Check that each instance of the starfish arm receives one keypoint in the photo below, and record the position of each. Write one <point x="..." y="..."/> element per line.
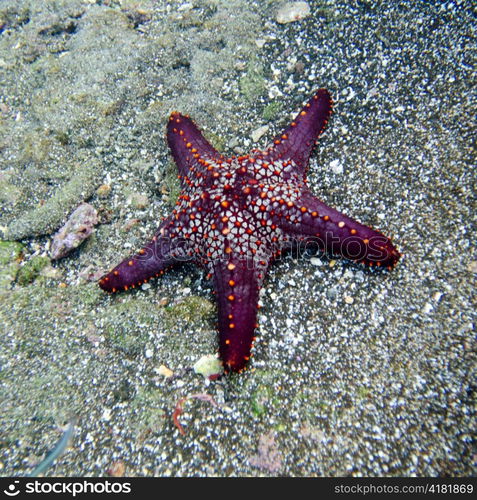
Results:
<point x="149" y="262"/>
<point x="338" y="234"/>
<point x="189" y="147"/>
<point x="298" y="139"/>
<point x="237" y="284"/>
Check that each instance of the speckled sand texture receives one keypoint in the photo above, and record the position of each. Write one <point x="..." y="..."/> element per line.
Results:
<point x="354" y="372"/>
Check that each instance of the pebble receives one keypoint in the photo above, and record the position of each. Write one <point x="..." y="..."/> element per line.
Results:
<point x="336" y="167"/>
<point x="106" y="414"/>
<point x="103" y="191"/>
<point x="348" y="299"/>
<point x="427" y="308"/>
<point x="117" y="469"/>
<point x="78" y="227"/>
<point x="164" y="371"/>
<point x="209" y="366"/>
<point x="292" y="11"/>
<point x="259" y="132"/>
<point x="472" y="266"/>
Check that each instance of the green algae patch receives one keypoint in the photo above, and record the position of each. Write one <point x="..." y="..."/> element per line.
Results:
<point x="127" y="324"/>
<point x="263" y="395"/>
<point x="88" y="294"/>
<point x="9" y="193"/>
<point x="10" y="252"/>
<point x="45" y="340"/>
<point x="252" y="83"/>
<point x="48" y="217"/>
<point x="36" y="309"/>
<point x="218" y="141"/>
<point x="169" y="184"/>
<point x="271" y="111"/>
<point x="147" y="407"/>
<point x="193" y="308"/>
<point x="31" y="270"/>
<point x="261" y="399"/>
<point x="37" y="147"/>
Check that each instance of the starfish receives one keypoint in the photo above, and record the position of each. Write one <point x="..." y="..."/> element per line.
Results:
<point x="235" y="215"/>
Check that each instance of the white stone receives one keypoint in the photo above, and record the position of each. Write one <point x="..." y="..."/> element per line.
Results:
<point x="292" y="11"/>
<point x="259" y="132"/>
<point x="427" y="308"/>
<point x="209" y="366"/>
<point x="106" y="414"/>
<point x="336" y="167"/>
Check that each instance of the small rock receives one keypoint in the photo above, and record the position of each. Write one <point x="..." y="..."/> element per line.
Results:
<point x="336" y="167"/>
<point x="292" y="11"/>
<point x="117" y="469"/>
<point x="78" y="227"/>
<point x="299" y="67"/>
<point x="259" y="132"/>
<point x="348" y="299"/>
<point x="332" y="293"/>
<point x="165" y="372"/>
<point x="427" y="308"/>
<point x="472" y="266"/>
<point x="209" y="366"/>
<point x="103" y="191"/>
<point x="106" y="415"/>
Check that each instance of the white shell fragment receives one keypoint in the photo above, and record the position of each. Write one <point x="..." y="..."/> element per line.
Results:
<point x="209" y="366"/>
<point x="78" y="227"/>
<point x="292" y="11"/>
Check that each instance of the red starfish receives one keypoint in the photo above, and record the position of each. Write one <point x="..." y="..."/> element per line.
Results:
<point x="235" y="215"/>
